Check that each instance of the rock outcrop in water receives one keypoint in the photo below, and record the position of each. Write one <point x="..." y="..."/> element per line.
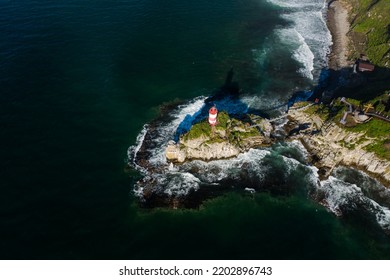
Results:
<point x="230" y="138"/>
<point x="329" y="145"/>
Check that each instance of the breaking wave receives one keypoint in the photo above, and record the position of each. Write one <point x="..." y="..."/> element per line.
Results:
<point x="133" y="150"/>
<point x="302" y="52"/>
<point x="307" y="34"/>
<point x="341" y="197"/>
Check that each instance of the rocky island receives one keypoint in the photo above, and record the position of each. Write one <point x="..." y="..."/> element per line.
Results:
<point x="230" y="137"/>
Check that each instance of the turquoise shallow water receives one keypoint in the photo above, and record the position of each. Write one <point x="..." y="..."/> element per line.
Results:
<point x="79" y="79"/>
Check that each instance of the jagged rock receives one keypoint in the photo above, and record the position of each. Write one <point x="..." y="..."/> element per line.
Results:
<point x="329" y="147"/>
<point x="175" y="154"/>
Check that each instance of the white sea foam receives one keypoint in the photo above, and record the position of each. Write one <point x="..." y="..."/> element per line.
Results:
<point x="296" y="144"/>
<point x="180" y="183"/>
<point x="341" y="196"/>
<point x="301" y="51"/>
<point x="304" y="55"/>
<point x="264" y="102"/>
<point x="167" y="130"/>
<point x="294" y="4"/>
<point x="133" y="150"/>
<point x="383" y="216"/>
<point x="250" y="190"/>
<point x="217" y="170"/>
<point x="307" y="35"/>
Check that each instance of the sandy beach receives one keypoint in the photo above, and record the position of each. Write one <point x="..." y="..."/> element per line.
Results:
<point x="339" y="26"/>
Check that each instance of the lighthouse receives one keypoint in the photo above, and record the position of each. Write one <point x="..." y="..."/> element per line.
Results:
<point x="213" y="112"/>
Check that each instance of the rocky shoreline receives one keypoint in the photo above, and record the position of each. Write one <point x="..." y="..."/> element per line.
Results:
<point x="328" y="144"/>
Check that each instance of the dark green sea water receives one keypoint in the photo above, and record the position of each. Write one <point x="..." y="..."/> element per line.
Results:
<point x="78" y="81"/>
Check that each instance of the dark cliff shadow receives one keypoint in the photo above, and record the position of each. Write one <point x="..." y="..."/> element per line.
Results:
<point x="346" y="82"/>
<point x="362" y="86"/>
<point x="225" y="98"/>
<point x="229" y="89"/>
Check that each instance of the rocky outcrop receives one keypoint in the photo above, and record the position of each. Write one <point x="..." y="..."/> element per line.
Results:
<point x="226" y="141"/>
<point x="331" y="145"/>
<point x="205" y="151"/>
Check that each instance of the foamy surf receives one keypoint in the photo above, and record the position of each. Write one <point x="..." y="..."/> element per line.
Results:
<point x="301" y="50"/>
<point x="308" y="35"/>
<point x="341" y="197"/>
<point x="133" y="150"/>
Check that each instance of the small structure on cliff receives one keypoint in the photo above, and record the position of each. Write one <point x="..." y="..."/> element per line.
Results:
<point x="213" y="113"/>
<point x="353" y="115"/>
<point x="363" y="65"/>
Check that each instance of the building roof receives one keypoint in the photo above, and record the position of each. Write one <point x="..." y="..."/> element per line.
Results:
<point x="366" y="66"/>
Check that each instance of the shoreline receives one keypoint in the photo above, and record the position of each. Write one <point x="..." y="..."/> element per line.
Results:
<point x="339" y="26"/>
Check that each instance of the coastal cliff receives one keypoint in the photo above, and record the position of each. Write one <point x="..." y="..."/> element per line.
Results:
<point x="181" y="156"/>
<point x="331" y="145"/>
<point x="357" y="27"/>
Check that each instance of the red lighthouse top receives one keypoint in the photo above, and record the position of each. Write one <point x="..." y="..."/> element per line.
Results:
<point x="213" y="110"/>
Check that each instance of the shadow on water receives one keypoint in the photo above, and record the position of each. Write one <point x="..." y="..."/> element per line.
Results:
<point x="362" y="86"/>
<point x="225" y="98"/>
<point x="346" y="82"/>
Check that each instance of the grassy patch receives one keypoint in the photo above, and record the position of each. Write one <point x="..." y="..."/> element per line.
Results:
<point x="380" y="148"/>
<point x="222" y="120"/>
<point x="372" y="18"/>
<point x="374" y="128"/>
<point x="224" y="123"/>
<point x="197" y="130"/>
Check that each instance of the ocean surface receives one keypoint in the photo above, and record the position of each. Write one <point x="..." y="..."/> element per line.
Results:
<point x="79" y="81"/>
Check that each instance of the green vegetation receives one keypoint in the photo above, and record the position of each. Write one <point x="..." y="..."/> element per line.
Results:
<point x="233" y="130"/>
<point x="197" y="130"/>
<point x="376" y="129"/>
<point x="371" y="19"/>
<point x="373" y="129"/>
<point x="381" y="148"/>
<point x="222" y="121"/>
<point x="203" y="128"/>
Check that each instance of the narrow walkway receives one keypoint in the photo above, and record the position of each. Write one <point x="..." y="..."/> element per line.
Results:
<point x="379" y="116"/>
